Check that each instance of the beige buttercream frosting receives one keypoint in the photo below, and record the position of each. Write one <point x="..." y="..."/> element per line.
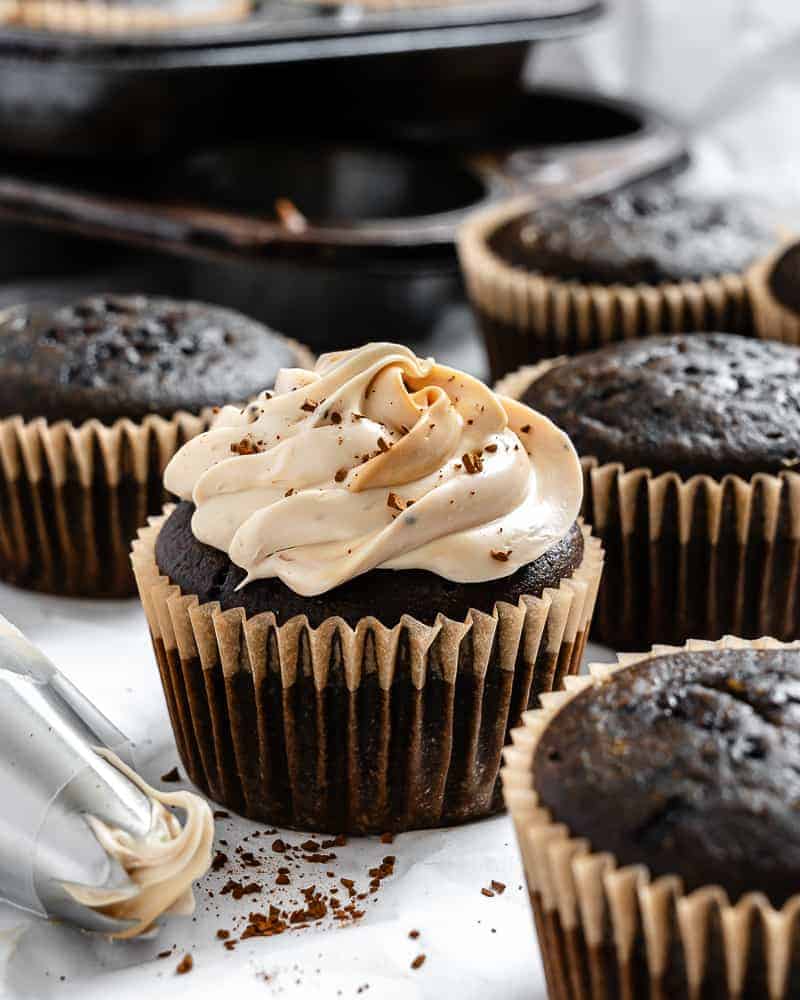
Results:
<point x="161" y="866"/>
<point x="378" y="459"/>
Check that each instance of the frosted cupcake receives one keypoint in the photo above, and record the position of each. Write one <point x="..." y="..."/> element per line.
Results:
<point x="372" y="572"/>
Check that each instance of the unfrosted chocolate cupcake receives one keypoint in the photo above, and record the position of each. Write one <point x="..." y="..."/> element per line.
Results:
<point x="573" y="275"/>
<point x="690" y="445"/>
<point x="774" y="287"/>
<point x="398" y="553"/>
<point x="699" y="745"/>
<point x="97" y="396"/>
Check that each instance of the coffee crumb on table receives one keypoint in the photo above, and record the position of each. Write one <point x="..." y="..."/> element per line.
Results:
<point x="185" y="965"/>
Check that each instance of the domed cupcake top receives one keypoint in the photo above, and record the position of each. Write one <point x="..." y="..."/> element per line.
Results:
<point x="378" y="459"/>
<point x="686" y="763"/>
<point x="701" y="403"/>
<point x="647" y="234"/>
<point x="112" y="356"/>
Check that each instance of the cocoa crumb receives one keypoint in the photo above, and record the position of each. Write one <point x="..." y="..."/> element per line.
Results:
<point x="247" y="446"/>
<point x="282" y="880"/>
<point x="394" y="502"/>
<point x="382" y="445"/>
<point x="278" y="846"/>
<point x="221" y="814"/>
<point x="341" y="475"/>
<point x="413" y="935"/>
<point x="173" y="775"/>
<point x="500" y="555"/>
<point x="526" y="428"/>
<point x="387" y="838"/>
<point x="499" y="887"/>
<point x="336" y="418"/>
<point x="223" y="934"/>
<point x="487" y="892"/>
<point x="219" y="862"/>
<point x="164" y="954"/>
<point x="309" y="406"/>
<point x="238" y="890"/>
<point x="473" y="463"/>
<point x="418" y="962"/>
<point x="309" y="845"/>
<point x="289" y="492"/>
<point x="185" y="965"/>
<point x="491" y="448"/>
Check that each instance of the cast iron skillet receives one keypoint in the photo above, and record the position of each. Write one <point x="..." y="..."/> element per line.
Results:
<point x="292" y="66"/>
<point x="376" y="257"/>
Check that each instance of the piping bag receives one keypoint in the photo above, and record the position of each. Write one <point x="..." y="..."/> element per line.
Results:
<point x="82" y="837"/>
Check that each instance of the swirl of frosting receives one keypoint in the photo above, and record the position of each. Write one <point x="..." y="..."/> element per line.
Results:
<point x="161" y="866"/>
<point x="378" y="459"/>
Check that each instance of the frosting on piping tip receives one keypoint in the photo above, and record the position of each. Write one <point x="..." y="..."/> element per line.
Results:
<point x="161" y="866"/>
<point x="378" y="459"/>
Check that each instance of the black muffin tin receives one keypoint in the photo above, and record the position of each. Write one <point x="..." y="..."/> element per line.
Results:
<point x="291" y="66"/>
<point x="377" y="258"/>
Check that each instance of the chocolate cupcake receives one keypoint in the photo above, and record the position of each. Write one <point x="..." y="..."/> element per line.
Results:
<point x="774" y="287"/>
<point x="117" y="16"/>
<point x="371" y="574"/>
<point x="571" y="276"/>
<point x="690" y="446"/>
<point x="656" y="804"/>
<point x="97" y="397"/>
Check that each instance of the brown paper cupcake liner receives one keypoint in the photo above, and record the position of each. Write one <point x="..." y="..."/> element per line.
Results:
<point x="98" y="17"/>
<point x="72" y="498"/>
<point x="689" y="557"/>
<point x="357" y="730"/>
<point x="609" y="932"/>
<point x="772" y="321"/>
<point x="525" y="316"/>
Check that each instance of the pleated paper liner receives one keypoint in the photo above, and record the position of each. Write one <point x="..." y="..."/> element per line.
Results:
<point x="772" y="320"/>
<point x="72" y="498"/>
<point x="99" y="17"/>
<point x="357" y="730"/>
<point x="607" y="932"/>
<point x="689" y="557"/>
<point x="526" y="316"/>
